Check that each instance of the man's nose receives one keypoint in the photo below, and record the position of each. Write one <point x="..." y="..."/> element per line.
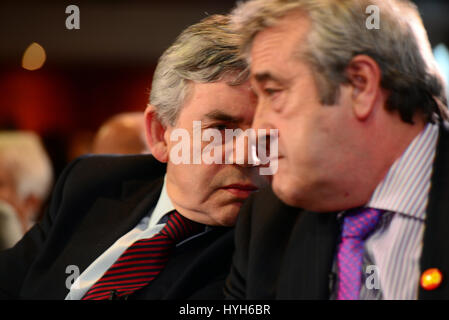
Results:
<point x="247" y="145"/>
<point x="263" y="122"/>
<point x="261" y="117"/>
<point x="244" y="149"/>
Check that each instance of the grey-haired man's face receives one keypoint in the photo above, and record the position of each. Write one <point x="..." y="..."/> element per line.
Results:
<point x="316" y="145"/>
<point x="212" y="193"/>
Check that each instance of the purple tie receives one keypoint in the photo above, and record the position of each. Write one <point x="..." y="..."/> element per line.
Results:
<point x="358" y="223"/>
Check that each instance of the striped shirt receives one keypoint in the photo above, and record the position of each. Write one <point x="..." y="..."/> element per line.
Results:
<point x="393" y="250"/>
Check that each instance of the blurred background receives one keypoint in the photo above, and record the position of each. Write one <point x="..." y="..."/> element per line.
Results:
<point x="83" y="77"/>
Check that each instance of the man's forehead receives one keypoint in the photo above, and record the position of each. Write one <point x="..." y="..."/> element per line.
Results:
<point x="280" y="41"/>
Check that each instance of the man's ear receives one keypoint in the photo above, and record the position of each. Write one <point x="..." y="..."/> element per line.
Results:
<point x="364" y="76"/>
<point x="155" y="132"/>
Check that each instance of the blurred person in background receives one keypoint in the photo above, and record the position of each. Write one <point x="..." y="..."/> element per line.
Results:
<point x="26" y="177"/>
<point x="123" y="133"/>
<point x="10" y="227"/>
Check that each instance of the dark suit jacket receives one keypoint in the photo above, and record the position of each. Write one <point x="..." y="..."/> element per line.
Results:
<point x="96" y="201"/>
<point x="287" y="253"/>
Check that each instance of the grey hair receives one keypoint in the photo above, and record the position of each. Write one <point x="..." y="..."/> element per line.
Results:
<point x="204" y="52"/>
<point x="23" y="154"/>
<point x="338" y="33"/>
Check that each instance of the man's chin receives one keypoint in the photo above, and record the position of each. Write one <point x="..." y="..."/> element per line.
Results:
<point x="288" y="195"/>
<point x="229" y="215"/>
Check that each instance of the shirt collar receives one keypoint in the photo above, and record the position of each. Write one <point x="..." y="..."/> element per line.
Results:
<point x="163" y="206"/>
<point x="406" y="186"/>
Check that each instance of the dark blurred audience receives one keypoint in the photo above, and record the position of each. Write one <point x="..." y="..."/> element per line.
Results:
<point x="123" y="133"/>
<point x="26" y="176"/>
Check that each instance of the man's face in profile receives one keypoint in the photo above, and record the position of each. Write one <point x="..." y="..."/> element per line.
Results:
<point x="314" y="140"/>
<point x="212" y="193"/>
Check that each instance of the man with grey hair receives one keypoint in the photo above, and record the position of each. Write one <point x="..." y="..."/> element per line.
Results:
<point x="363" y="150"/>
<point x="131" y="227"/>
<point x="26" y="175"/>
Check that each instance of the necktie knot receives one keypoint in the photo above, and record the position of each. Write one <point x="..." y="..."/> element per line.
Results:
<point x="179" y="228"/>
<point x="360" y="222"/>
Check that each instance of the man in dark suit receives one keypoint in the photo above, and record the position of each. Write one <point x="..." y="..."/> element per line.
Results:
<point x="363" y="149"/>
<point x="132" y="227"/>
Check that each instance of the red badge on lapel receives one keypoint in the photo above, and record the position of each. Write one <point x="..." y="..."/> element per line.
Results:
<point x="431" y="279"/>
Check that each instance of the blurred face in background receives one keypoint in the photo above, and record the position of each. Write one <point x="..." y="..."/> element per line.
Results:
<point x="9" y="194"/>
<point x="8" y="185"/>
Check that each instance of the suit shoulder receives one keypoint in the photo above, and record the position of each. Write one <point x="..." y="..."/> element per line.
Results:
<point x="110" y="167"/>
<point x="264" y="213"/>
<point x="94" y="174"/>
<point x="267" y="207"/>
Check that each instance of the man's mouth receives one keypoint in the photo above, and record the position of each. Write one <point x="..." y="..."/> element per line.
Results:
<point x="242" y="191"/>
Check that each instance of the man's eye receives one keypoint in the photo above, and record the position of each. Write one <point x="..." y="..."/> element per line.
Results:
<point x="220" y="127"/>
<point x="271" y="91"/>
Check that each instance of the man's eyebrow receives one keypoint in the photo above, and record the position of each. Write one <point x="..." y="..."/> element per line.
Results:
<point x="266" y="76"/>
<point x="222" y="116"/>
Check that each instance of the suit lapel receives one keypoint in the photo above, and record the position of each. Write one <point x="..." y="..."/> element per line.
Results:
<point x="436" y="242"/>
<point x="309" y="256"/>
<point x="104" y="223"/>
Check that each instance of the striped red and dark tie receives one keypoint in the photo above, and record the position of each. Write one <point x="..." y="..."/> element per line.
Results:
<point x="143" y="260"/>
